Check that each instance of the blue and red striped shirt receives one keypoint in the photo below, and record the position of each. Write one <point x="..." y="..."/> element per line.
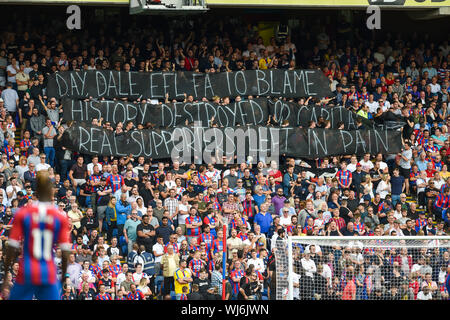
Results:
<point x="95" y="269"/>
<point x="9" y="151"/>
<point x="105" y="296"/>
<point x="306" y="228"/>
<point x="420" y="223"/>
<point x="359" y="226"/>
<point x="25" y="143"/>
<point x="216" y="204"/>
<point x="210" y="221"/>
<point x="157" y="177"/>
<point x="234" y="223"/>
<point x="207" y="239"/>
<point x="175" y="247"/>
<point x="211" y="265"/>
<point x="40" y="226"/>
<point x="289" y="228"/>
<point x="115" y="270"/>
<point x="344" y="177"/>
<point x="195" y="265"/>
<point x="192" y="247"/>
<point x="202" y="178"/>
<point x="115" y="181"/>
<point x="10" y="222"/>
<point x="438" y="165"/>
<point x="413" y="174"/>
<point x="431" y="148"/>
<point x="217" y="245"/>
<point x="421" y="140"/>
<point x="248" y="209"/>
<point x="238" y="274"/>
<point x="137" y="295"/>
<point x="94" y="179"/>
<point x="443" y="187"/>
<point x="193" y="231"/>
<point x="442" y="201"/>
<point x="242" y="236"/>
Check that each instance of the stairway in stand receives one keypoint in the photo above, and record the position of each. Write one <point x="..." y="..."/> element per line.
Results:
<point x="17" y="138"/>
<point x="410" y="200"/>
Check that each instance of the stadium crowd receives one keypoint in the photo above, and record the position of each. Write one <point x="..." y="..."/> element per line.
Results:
<point x="147" y="229"/>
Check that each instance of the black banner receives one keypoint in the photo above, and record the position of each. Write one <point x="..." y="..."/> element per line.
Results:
<point x="196" y="142"/>
<point x="154" y="85"/>
<point x="168" y="115"/>
<point x="253" y="112"/>
<point x="298" y="115"/>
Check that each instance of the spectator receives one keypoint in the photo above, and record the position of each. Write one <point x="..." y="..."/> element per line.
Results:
<point x="182" y="278"/>
<point x="11" y="99"/>
<point x="177" y="201"/>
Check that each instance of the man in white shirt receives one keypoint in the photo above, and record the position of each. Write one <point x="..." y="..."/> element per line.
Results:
<point x="366" y="164"/>
<point x="382" y="165"/>
<point x="379" y="56"/>
<point x="4" y="198"/>
<point x="419" y="267"/>
<point x="386" y="103"/>
<point x="290" y="46"/>
<point x="285" y="218"/>
<point x="138" y="275"/>
<point x="373" y="105"/>
<point x="327" y="274"/>
<point x="158" y="252"/>
<point x="12" y="70"/>
<point x="308" y="265"/>
<point x="396" y="229"/>
<point x="296" y="285"/>
<point x="421" y="184"/>
<point x="22" y="80"/>
<point x="405" y="164"/>
<point x="12" y="189"/>
<point x="34" y="157"/>
<point x="314" y="248"/>
<point x="444" y="48"/>
<point x="247" y="52"/>
<point x="425" y="294"/>
<point x="352" y="165"/>
<point x="323" y="39"/>
<point x="435" y="87"/>
<point x="438" y="181"/>
<point x="257" y="262"/>
<point x="213" y="174"/>
<point x="321" y="187"/>
<point x="122" y="276"/>
<point x="122" y="190"/>
<point x="42" y="165"/>
<point x="250" y="242"/>
<point x="90" y="166"/>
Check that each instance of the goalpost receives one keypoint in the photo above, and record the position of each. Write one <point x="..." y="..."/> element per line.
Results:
<point x="362" y="268"/>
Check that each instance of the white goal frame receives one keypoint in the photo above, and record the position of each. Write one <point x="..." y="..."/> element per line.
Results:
<point x="348" y="239"/>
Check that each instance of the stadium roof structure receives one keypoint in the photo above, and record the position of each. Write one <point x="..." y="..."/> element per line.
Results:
<point x="398" y="4"/>
<point x="417" y="9"/>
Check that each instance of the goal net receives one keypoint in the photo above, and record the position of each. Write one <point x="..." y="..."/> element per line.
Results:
<point x="362" y="268"/>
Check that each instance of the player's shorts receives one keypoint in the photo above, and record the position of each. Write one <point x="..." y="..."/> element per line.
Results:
<point x="42" y="292"/>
